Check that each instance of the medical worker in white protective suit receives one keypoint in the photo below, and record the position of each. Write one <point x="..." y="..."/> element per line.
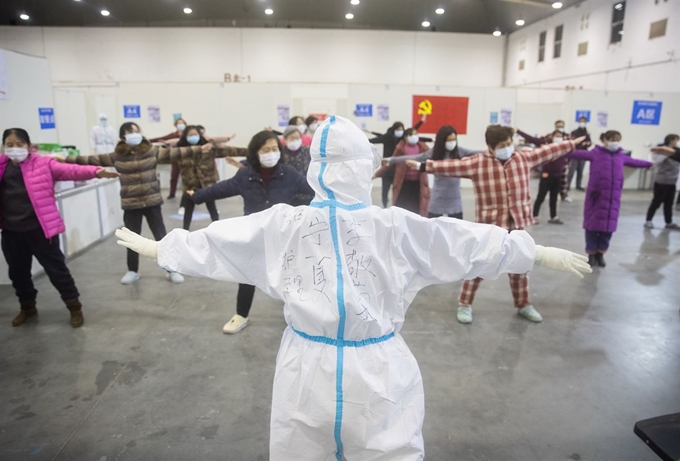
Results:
<point x="346" y="385"/>
<point x="103" y="138"/>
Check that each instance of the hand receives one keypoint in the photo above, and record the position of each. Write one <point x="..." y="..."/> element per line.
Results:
<point x="58" y="157"/>
<point x="206" y="148"/>
<point x="191" y="193"/>
<point x="423" y="118"/>
<point x="367" y="131"/>
<point x="102" y="173"/>
<point x="579" y="140"/>
<point x="663" y="150"/>
<point x="268" y="128"/>
<point x="229" y="138"/>
<point x="232" y="161"/>
<point x="385" y="161"/>
<point x="562" y="260"/>
<point x="137" y="243"/>
<point x="414" y="165"/>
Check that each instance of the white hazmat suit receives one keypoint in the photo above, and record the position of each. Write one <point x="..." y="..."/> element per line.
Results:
<point x="346" y="385"/>
<point x="103" y="138"/>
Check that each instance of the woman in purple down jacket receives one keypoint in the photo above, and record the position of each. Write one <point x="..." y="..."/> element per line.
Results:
<point x="603" y="196"/>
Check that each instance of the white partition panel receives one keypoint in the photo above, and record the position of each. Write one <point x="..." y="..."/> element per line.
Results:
<point x="80" y="211"/>
<point x="109" y="206"/>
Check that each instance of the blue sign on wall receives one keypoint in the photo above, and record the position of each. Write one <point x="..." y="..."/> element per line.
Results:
<point x="582" y="113"/>
<point x="646" y="113"/>
<point x="364" y="110"/>
<point x="132" y="112"/>
<point x="46" y="115"/>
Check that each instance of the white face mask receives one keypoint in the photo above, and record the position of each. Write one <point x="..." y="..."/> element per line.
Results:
<point x="614" y="146"/>
<point x="558" y="139"/>
<point x="313" y="127"/>
<point x="270" y="159"/>
<point x="181" y="127"/>
<point x="561" y="130"/>
<point x="399" y="133"/>
<point x="413" y="139"/>
<point x="450" y="145"/>
<point x="582" y="125"/>
<point x="294" y="145"/>
<point x="17" y="154"/>
<point x="302" y="128"/>
<point x="505" y="153"/>
<point x="133" y="139"/>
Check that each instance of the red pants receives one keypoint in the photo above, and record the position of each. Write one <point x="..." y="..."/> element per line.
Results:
<point x="174" y="178"/>
<point x="519" y="284"/>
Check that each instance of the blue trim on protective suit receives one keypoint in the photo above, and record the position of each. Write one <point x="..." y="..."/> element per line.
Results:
<point x="343" y="343"/>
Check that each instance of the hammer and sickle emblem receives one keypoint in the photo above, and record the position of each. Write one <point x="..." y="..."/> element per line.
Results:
<point x="425" y="107"/>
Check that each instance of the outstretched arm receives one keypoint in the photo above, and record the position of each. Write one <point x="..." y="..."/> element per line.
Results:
<point x="223" y="189"/>
<point x="64" y="172"/>
<point x="461" y="168"/>
<point x="93" y="160"/>
<point x="548" y="153"/>
<point x="636" y="163"/>
<point x="166" y="154"/>
<point x="228" y="151"/>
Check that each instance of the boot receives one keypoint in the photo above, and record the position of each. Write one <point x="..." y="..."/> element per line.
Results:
<point x="592" y="260"/>
<point x="76" y="309"/>
<point x="600" y="260"/>
<point x="28" y="309"/>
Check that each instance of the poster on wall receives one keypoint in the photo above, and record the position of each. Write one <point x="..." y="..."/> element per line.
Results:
<point x="363" y="110"/>
<point x="582" y="114"/>
<point x="440" y="110"/>
<point x="506" y="117"/>
<point x="493" y="118"/>
<point x="4" y="90"/>
<point x="383" y="111"/>
<point x="132" y="112"/>
<point x="602" y="119"/>
<point x="283" y="114"/>
<point x="46" y="115"/>
<point x="646" y="113"/>
<point x="176" y="116"/>
<point x="154" y="114"/>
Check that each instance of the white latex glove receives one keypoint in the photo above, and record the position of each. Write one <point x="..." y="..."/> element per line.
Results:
<point x="137" y="243"/>
<point x="562" y="260"/>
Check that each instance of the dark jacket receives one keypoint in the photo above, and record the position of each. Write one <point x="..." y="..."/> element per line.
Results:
<point x="285" y="184"/>
<point x="200" y="172"/>
<point x="577" y="133"/>
<point x="389" y="141"/>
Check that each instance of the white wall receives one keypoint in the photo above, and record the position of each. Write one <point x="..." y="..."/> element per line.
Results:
<point x="29" y="88"/>
<point x="96" y="55"/>
<point x="634" y="64"/>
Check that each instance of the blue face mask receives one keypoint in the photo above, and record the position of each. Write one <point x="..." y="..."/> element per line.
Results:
<point x="193" y="139"/>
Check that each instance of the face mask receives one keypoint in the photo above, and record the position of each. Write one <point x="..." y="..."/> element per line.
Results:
<point x="504" y="153"/>
<point x="450" y="145"/>
<point x="193" y="139"/>
<point x="313" y="127"/>
<point x="133" y="139"/>
<point x="16" y="154"/>
<point x="561" y="130"/>
<point x="270" y="159"/>
<point x="294" y="145"/>
<point x="558" y="139"/>
<point x="614" y="146"/>
<point x="399" y="133"/>
<point x="582" y="125"/>
<point x="413" y="139"/>
<point x="181" y="126"/>
<point x="302" y="128"/>
<point x="103" y="122"/>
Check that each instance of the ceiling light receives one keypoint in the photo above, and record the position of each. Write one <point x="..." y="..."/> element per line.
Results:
<point x="188" y="11"/>
<point x="355" y="2"/>
<point x="439" y="11"/>
<point x="497" y="32"/>
<point x="618" y="6"/>
<point x="557" y="5"/>
<point x="24" y="16"/>
<point x="268" y="11"/>
<point x="105" y="12"/>
<point x="349" y="16"/>
<point x="426" y="23"/>
<point x="520" y="22"/>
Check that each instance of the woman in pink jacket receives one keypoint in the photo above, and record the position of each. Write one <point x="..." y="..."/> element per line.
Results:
<point x="30" y="221"/>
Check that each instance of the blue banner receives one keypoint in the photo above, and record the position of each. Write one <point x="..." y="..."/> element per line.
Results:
<point x="132" y="112"/>
<point x="46" y="115"/>
<point x="364" y="110"/>
<point x="582" y="113"/>
<point x="646" y="113"/>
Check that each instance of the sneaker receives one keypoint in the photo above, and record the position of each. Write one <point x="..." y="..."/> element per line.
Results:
<point x="181" y="211"/>
<point x="129" y="278"/>
<point x="555" y="220"/>
<point x="580" y="188"/>
<point x="174" y="277"/>
<point x="567" y="199"/>
<point x="236" y="324"/>
<point x="465" y="315"/>
<point x="672" y="225"/>
<point x="650" y="225"/>
<point x="537" y="221"/>
<point x="529" y="313"/>
<point x="600" y="260"/>
<point x="592" y="260"/>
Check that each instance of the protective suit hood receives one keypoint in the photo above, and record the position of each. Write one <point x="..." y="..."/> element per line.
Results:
<point x="343" y="163"/>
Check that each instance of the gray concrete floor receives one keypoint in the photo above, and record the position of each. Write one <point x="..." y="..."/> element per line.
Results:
<point x="151" y="376"/>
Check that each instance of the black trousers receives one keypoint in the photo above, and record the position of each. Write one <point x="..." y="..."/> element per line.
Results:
<point x="133" y="221"/>
<point x="19" y="249"/>
<point x="386" y="184"/>
<point x="663" y="193"/>
<point x="437" y="215"/>
<point x="576" y="166"/>
<point x="244" y="299"/>
<point x="550" y="184"/>
<point x="409" y="196"/>
<point x="189" y="206"/>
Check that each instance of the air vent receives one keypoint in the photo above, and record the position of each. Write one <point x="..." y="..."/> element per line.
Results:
<point x="583" y="48"/>
<point x="658" y="29"/>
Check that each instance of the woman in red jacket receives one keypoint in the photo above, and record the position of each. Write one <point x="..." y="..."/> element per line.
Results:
<point x="31" y="223"/>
